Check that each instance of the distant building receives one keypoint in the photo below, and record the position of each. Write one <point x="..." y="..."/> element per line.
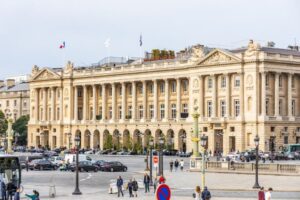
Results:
<point x="19" y="79"/>
<point x="14" y="97"/>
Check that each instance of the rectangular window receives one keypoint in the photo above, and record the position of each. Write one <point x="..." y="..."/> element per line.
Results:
<point x="80" y="113"/>
<point x="173" y="86"/>
<point x="280" y="80"/>
<point x="267" y="106"/>
<point x="110" y="92"/>
<point x="173" y="111"/>
<point x="79" y="93"/>
<point x="100" y="111"/>
<point x="237" y="81"/>
<point x="286" y="139"/>
<point x="91" y="93"/>
<point x="223" y="108"/>
<point x="130" y="112"/>
<point x="162" y="88"/>
<point x="185" y="108"/>
<point x="267" y="80"/>
<point x="280" y="107"/>
<point x="184" y="85"/>
<point x="110" y="112"/>
<point x="100" y="92"/>
<point x="162" y="111"/>
<point x="209" y="108"/>
<point x="150" y="88"/>
<point x="24" y="103"/>
<point x="7" y="103"/>
<point x="120" y="91"/>
<point x="120" y="112"/>
<point x="293" y="107"/>
<point x="223" y="82"/>
<point x="151" y="111"/>
<point x="209" y="83"/>
<point x="130" y="90"/>
<point x="140" y="89"/>
<point x="91" y="113"/>
<point x="141" y="110"/>
<point x="58" y="114"/>
<point x="15" y="102"/>
<point x="237" y="107"/>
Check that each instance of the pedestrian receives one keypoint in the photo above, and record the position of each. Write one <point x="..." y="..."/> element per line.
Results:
<point x="206" y="194"/>
<point x="147" y="182"/>
<point x="11" y="189"/>
<point x="261" y="194"/>
<point x="135" y="187"/>
<point x="176" y="164"/>
<point x="2" y="189"/>
<point x="119" y="186"/>
<point x="155" y="183"/>
<point x="181" y="164"/>
<point x="34" y="196"/>
<point x="130" y="187"/>
<point x="171" y="165"/>
<point x="17" y="194"/>
<point x="197" y="194"/>
<point x="268" y="194"/>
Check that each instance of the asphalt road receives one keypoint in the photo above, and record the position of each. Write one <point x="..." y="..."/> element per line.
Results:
<point x="99" y="181"/>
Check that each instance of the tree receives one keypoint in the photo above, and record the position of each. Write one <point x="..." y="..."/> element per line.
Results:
<point x="3" y="124"/>
<point x="108" y="144"/>
<point x="20" y="126"/>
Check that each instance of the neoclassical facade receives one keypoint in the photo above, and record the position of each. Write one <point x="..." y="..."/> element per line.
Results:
<point x="239" y="93"/>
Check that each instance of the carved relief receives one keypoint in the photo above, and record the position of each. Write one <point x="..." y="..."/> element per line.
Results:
<point x="249" y="80"/>
<point x="253" y="47"/>
<point x="66" y="92"/>
<point x="45" y="75"/>
<point x="196" y="83"/>
<point x="217" y="58"/>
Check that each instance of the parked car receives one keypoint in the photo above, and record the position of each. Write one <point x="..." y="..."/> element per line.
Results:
<point x="84" y="166"/>
<point x="184" y="154"/>
<point x="113" y="153"/>
<point x="72" y="158"/>
<point x="171" y="152"/>
<point x="99" y="163"/>
<point x="50" y="153"/>
<point x="113" y="167"/>
<point x="42" y="164"/>
<point x="57" y="160"/>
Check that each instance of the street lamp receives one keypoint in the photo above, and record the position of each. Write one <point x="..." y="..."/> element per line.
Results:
<point x="161" y="162"/>
<point x="272" y="146"/>
<point x="77" y="191"/>
<point x="151" y="143"/>
<point x="203" y="139"/>
<point x="256" y="142"/>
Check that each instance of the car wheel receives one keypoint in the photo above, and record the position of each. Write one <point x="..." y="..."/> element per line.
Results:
<point x="125" y="169"/>
<point x="95" y="170"/>
<point x="112" y="169"/>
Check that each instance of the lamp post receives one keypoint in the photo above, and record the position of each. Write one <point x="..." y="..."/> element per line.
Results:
<point x="161" y="161"/>
<point x="151" y="147"/>
<point x="272" y="146"/>
<point x="9" y="135"/>
<point x="256" y="142"/>
<point x="77" y="191"/>
<point x="195" y="138"/>
<point x="203" y="139"/>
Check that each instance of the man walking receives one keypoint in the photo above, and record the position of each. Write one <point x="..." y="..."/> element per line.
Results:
<point x="171" y="165"/>
<point x="119" y="185"/>
<point x="147" y="182"/>
<point x="176" y="164"/>
<point x="206" y="194"/>
<point x="135" y="187"/>
<point x="181" y="164"/>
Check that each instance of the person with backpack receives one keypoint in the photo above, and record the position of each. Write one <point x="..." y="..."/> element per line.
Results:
<point x="206" y="194"/>
<point x="135" y="187"/>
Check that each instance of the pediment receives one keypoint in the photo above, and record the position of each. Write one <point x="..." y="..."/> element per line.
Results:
<point x="45" y="74"/>
<point x="219" y="56"/>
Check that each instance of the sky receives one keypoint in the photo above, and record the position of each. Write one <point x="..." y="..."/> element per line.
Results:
<point x="31" y="31"/>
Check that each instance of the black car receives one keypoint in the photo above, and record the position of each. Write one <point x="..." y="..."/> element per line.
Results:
<point x="84" y="166"/>
<point x="99" y="163"/>
<point x="113" y="167"/>
<point x="41" y="164"/>
<point x="50" y="153"/>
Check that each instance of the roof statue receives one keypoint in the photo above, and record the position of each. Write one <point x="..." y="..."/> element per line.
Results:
<point x="69" y="68"/>
<point x="197" y="53"/>
<point x="253" y="47"/>
<point x="35" y="70"/>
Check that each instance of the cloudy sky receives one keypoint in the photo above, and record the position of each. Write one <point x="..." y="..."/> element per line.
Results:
<point x="32" y="30"/>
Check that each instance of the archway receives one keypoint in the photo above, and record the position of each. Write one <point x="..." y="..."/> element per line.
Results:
<point x="96" y="140"/>
<point x="107" y="140"/>
<point x="147" y="136"/>
<point x="137" y="141"/>
<point x="116" y="140"/>
<point x="170" y="139"/>
<point x="127" y="143"/>
<point x="158" y="135"/>
<point x="78" y="134"/>
<point x="87" y="139"/>
<point x="182" y="140"/>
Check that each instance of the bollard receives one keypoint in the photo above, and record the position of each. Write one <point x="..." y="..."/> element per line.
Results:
<point x="52" y="191"/>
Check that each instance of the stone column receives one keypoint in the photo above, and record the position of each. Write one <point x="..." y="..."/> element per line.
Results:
<point x="276" y="97"/>
<point x="214" y="95"/>
<point x="263" y="93"/>
<point x="85" y="99"/>
<point x="52" y="104"/>
<point x="44" y="104"/>
<point x="228" y="94"/>
<point x="133" y="101"/>
<point x="155" y="100"/>
<point x="178" y="98"/>
<point x="201" y="96"/>
<point x="37" y="104"/>
<point x="123" y="101"/>
<point x="113" y="101"/>
<point x="289" y="94"/>
<point x="75" y="103"/>
<point x="242" y="107"/>
<point x="94" y="102"/>
<point x="103" y="102"/>
<point x="144" y="100"/>
<point x="166" y="100"/>
<point x="61" y="105"/>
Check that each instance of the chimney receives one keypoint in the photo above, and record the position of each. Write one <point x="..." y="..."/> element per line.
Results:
<point x="1" y="83"/>
<point x="10" y="83"/>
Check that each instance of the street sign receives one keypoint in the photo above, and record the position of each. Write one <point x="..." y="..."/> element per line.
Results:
<point x="155" y="161"/>
<point x="163" y="192"/>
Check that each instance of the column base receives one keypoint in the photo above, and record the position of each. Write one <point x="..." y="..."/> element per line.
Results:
<point x="132" y="120"/>
<point x="153" y="120"/>
<point x="165" y="120"/>
<point x="195" y="163"/>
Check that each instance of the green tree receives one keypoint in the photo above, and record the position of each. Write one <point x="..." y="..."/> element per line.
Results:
<point x="108" y="144"/>
<point x="20" y="126"/>
<point x="3" y="124"/>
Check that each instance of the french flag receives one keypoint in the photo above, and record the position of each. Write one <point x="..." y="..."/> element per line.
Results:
<point x="63" y="45"/>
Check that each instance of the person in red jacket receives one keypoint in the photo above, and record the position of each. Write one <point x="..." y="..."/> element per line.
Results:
<point x="261" y="194"/>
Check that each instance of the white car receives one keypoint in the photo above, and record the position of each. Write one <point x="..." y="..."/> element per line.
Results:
<point x="113" y="185"/>
<point x="57" y="160"/>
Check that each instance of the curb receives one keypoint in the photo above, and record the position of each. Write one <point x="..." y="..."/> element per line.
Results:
<point x="247" y="173"/>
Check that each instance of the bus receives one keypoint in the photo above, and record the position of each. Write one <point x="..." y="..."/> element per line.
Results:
<point x="291" y="148"/>
<point x="10" y="170"/>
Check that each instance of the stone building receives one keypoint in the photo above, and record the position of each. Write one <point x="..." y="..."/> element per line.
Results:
<point x="14" y="98"/>
<point x="239" y="93"/>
